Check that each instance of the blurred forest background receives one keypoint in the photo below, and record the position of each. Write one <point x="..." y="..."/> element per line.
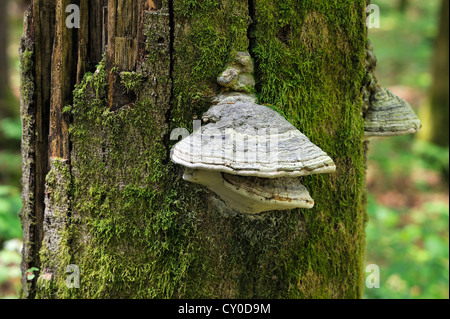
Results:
<point x="408" y="231"/>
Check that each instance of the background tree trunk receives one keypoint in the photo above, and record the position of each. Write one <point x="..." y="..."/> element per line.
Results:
<point x="4" y="81"/>
<point x="7" y="105"/>
<point x="438" y="120"/>
<point x="100" y="191"/>
<point x="403" y="5"/>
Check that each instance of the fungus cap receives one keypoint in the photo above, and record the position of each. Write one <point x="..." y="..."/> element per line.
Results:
<point x="390" y="115"/>
<point x="247" y="139"/>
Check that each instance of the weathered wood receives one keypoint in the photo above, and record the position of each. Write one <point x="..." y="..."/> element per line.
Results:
<point x="28" y="117"/>
<point x="64" y="72"/>
<point x="96" y="26"/>
<point x="36" y="48"/>
<point x="125" y="55"/>
<point x="83" y="41"/>
<point x="44" y="31"/>
<point x="122" y="46"/>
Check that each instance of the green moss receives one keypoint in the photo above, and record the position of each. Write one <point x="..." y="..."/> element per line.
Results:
<point x="217" y="31"/>
<point x="132" y="81"/>
<point x="314" y="79"/>
<point x="27" y="86"/>
<point x="46" y="289"/>
<point x="26" y="61"/>
<point x="126" y="197"/>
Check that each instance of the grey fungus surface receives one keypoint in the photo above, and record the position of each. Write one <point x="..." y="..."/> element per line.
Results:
<point x="253" y="195"/>
<point x="390" y="115"/>
<point x="277" y="193"/>
<point x="247" y="139"/>
<point x="238" y="76"/>
<point x="251" y="156"/>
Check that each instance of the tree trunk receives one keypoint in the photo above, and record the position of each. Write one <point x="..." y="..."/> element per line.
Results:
<point x="6" y="105"/>
<point x="3" y="45"/>
<point x="439" y="104"/>
<point x="403" y="5"/>
<point x="100" y="191"/>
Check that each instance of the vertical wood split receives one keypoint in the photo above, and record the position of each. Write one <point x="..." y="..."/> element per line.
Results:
<point x="60" y="58"/>
<point x="122" y="46"/>
<point x="63" y="80"/>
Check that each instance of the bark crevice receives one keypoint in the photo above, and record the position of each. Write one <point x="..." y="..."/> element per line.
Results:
<point x="171" y="74"/>
<point x="251" y="27"/>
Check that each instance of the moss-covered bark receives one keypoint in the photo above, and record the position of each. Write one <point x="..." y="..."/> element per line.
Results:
<point x="137" y="230"/>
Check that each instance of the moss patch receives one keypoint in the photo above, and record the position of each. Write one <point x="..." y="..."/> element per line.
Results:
<point x="132" y="81"/>
<point x="315" y="80"/>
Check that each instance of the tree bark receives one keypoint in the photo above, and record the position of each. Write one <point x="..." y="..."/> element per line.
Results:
<point x="4" y="45"/>
<point x="6" y="107"/>
<point x="403" y="5"/>
<point x="439" y="104"/>
<point x="100" y="191"/>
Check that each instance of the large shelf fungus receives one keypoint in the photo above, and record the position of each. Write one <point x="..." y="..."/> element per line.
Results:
<point x="251" y="156"/>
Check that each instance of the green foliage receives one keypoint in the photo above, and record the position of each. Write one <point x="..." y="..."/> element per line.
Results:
<point x="10" y="168"/>
<point x="412" y="249"/>
<point x="408" y="231"/>
<point x="11" y="128"/>
<point x="132" y="81"/>
<point x="10" y="273"/>
<point x="405" y="62"/>
<point x="30" y="273"/>
<point x="409" y="239"/>
<point x="432" y="157"/>
<point x="402" y="156"/>
<point x="10" y="206"/>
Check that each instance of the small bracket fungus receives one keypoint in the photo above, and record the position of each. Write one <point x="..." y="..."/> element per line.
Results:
<point x="251" y="156"/>
<point x="239" y="74"/>
<point x="385" y="114"/>
<point x="390" y="115"/>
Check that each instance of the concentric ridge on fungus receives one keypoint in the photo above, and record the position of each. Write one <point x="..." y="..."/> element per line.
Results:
<point x="270" y="146"/>
<point x="390" y="115"/>
<point x="247" y="153"/>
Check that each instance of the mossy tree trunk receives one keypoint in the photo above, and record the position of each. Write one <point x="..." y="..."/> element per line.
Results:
<point x="100" y="191"/>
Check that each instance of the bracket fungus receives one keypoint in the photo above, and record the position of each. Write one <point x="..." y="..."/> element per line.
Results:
<point x="239" y="74"/>
<point x="251" y="156"/>
<point x="385" y="114"/>
<point x="390" y="115"/>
